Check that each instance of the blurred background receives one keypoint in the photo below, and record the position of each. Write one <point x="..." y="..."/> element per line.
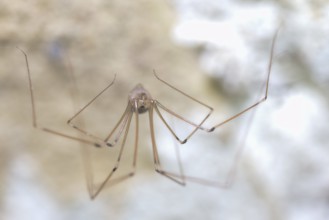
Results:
<point x="215" y="51"/>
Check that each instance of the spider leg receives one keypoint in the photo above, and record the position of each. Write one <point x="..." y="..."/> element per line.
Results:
<point x="108" y="181"/>
<point x="262" y="99"/>
<point x="122" y="121"/>
<point x="231" y="174"/>
<point x="69" y="122"/>
<point x="158" y="104"/>
<point x="178" y="178"/>
<point x="34" y="114"/>
<point x="199" y="126"/>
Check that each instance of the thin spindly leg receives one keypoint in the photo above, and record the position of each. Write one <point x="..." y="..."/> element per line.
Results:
<point x="199" y="126"/>
<point x="85" y="149"/>
<point x="69" y="122"/>
<point x="123" y="118"/>
<point x="269" y="68"/>
<point x="34" y="115"/>
<point x="157" y="103"/>
<point x="86" y="155"/>
<point x="178" y="178"/>
<point x="108" y="181"/>
<point x="230" y="176"/>
<point x="95" y="190"/>
<point x="75" y="90"/>
<point x="227" y="182"/>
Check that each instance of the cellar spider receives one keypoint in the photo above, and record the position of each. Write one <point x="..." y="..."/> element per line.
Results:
<point x="140" y="101"/>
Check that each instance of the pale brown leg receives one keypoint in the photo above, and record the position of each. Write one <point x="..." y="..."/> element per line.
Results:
<point x="34" y="115"/>
<point x="228" y="180"/>
<point x="266" y="87"/>
<point x="85" y="149"/>
<point x="178" y="178"/>
<point x="69" y="122"/>
<point x="179" y="117"/>
<point x="123" y="118"/>
<point x="199" y="126"/>
<point x="94" y="191"/>
<point x="230" y="176"/>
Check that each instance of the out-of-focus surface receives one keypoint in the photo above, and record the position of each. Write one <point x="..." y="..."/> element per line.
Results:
<point x="216" y="51"/>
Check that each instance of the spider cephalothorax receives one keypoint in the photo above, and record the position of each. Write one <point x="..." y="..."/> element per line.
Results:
<point x="140" y="99"/>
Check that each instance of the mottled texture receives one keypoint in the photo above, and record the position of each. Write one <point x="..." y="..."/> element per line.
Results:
<point x="216" y="51"/>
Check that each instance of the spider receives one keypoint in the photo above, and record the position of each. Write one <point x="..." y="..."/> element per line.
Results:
<point x="140" y="101"/>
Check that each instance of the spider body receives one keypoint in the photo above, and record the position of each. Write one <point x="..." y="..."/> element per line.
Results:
<point x="140" y="99"/>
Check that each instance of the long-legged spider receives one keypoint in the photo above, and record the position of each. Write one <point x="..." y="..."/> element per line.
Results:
<point x="140" y="101"/>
